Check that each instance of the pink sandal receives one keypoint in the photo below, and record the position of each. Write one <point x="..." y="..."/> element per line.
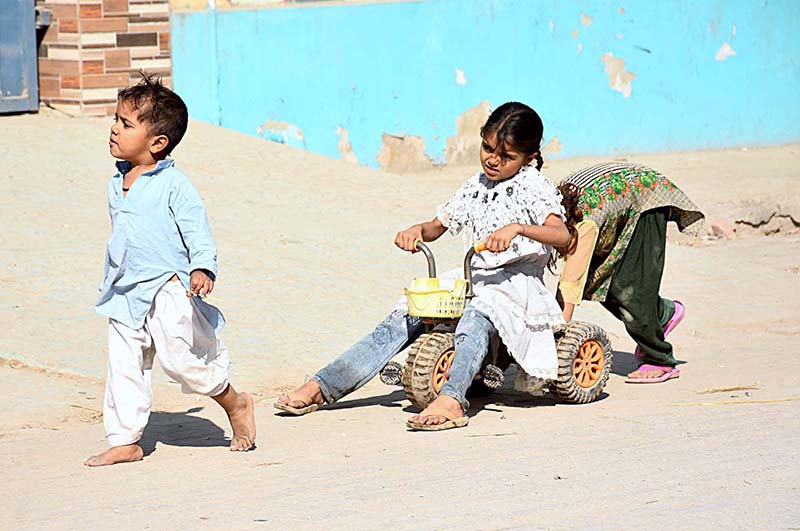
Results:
<point x="669" y="374"/>
<point x="675" y="320"/>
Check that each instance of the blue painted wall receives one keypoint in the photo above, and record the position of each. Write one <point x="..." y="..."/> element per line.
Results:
<point x="391" y="67"/>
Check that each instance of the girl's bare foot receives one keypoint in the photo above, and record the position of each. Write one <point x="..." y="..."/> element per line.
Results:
<point x="656" y="373"/>
<point x="116" y="454"/>
<point x="306" y="395"/>
<point x="653" y="374"/>
<point x="442" y="403"/>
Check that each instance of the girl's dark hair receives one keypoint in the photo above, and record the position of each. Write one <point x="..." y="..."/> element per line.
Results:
<point x="569" y="199"/>
<point x="164" y="111"/>
<point x="573" y="213"/>
<point x="517" y="125"/>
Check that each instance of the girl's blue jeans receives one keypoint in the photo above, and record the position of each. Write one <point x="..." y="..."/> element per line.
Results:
<point x="361" y="362"/>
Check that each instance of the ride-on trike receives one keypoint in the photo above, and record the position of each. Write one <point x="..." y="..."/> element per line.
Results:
<point x="583" y="349"/>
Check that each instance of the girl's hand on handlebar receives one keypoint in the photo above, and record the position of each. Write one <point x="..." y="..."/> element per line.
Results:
<point x="407" y="239"/>
<point x="500" y="240"/>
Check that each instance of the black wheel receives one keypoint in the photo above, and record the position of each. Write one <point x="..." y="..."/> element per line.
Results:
<point x="392" y="373"/>
<point x="492" y="374"/>
<point x="427" y="364"/>
<point x="584" y="362"/>
<point x="491" y="378"/>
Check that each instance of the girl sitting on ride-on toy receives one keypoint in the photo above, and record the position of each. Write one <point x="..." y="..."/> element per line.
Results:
<point x="517" y="212"/>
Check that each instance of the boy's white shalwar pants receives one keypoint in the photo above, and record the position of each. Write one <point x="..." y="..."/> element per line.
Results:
<point x="188" y="350"/>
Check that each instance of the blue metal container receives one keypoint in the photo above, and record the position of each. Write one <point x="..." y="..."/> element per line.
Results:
<point x="19" y="83"/>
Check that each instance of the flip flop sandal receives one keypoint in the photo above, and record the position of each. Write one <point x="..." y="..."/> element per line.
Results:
<point x="669" y="374"/>
<point x="296" y="411"/>
<point x="677" y="317"/>
<point x="452" y="422"/>
<point x="675" y="320"/>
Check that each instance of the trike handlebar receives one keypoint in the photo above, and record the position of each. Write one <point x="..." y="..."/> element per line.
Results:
<point x="477" y="248"/>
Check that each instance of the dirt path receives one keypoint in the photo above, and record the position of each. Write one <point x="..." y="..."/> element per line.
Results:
<point x="307" y="267"/>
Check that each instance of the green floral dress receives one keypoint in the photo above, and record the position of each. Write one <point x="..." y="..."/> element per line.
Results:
<point x="614" y="195"/>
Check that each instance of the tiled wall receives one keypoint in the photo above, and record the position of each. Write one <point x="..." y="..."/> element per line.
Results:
<point x="96" y="47"/>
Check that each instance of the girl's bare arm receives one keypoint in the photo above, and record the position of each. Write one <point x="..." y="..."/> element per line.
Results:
<point x="551" y="232"/>
<point x="427" y="231"/>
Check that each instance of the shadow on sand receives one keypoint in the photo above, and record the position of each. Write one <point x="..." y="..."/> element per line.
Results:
<point x="392" y="399"/>
<point x="181" y="429"/>
<point x="480" y="400"/>
<point x="625" y="363"/>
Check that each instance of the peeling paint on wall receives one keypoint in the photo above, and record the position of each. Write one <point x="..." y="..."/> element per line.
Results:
<point x="345" y="147"/>
<point x="461" y="79"/>
<point x="618" y="78"/>
<point x="463" y="146"/>
<point x="725" y="51"/>
<point x="221" y="70"/>
<point x="553" y="147"/>
<point x="712" y="25"/>
<point x="401" y="153"/>
<point x="586" y="20"/>
<point x="282" y="133"/>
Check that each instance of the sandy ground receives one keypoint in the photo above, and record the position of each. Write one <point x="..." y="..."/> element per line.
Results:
<point x="307" y="267"/>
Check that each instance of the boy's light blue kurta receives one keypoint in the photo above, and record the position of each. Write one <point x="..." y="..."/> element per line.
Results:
<point x="159" y="229"/>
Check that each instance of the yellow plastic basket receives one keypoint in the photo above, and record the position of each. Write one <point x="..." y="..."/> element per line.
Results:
<point x="427" y="299"/>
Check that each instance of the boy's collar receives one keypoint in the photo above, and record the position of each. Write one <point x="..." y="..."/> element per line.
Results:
<point x="124" y="166"/>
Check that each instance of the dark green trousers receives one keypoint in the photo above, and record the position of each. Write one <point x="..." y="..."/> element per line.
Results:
<point x="633" y="292"/>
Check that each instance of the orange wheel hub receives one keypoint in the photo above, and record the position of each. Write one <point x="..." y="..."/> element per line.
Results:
<point x="441" y="369"/>
<point x="588" y="365"/>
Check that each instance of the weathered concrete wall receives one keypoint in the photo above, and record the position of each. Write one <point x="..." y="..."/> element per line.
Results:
<point x="403" y="84"/>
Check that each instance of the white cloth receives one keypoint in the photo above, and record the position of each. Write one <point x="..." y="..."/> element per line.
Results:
<point x="188" y="350"/>
<point x="509" y="286"/>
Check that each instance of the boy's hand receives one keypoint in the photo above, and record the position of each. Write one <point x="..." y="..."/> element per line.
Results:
<point x="500" y="240"/>
<point x="407" y="239"/>
<point x="200" y="284"/>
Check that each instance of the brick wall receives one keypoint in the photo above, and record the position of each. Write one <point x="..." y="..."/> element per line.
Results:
<point x="96" y="47"/>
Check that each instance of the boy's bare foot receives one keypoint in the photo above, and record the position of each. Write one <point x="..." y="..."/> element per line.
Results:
<point x="444" y="404"/>
<point x="306" y="395"/>
<point x="243" y="422"/>
<point x="117" y="454"/>
<point x="242" y="416"/>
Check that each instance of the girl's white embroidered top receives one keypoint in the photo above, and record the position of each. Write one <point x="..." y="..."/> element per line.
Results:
<point x="509" y="286"/>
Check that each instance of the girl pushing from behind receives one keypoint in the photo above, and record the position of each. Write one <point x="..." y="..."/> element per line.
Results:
<point x="619" y="212"/>
<point x="517" y="212"/>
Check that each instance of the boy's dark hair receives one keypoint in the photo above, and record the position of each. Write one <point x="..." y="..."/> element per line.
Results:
<point x="159" y="107"/>
<point x="518" y="125"/>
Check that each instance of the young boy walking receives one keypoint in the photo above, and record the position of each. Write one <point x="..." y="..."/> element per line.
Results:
<point x="160" y="262"/>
